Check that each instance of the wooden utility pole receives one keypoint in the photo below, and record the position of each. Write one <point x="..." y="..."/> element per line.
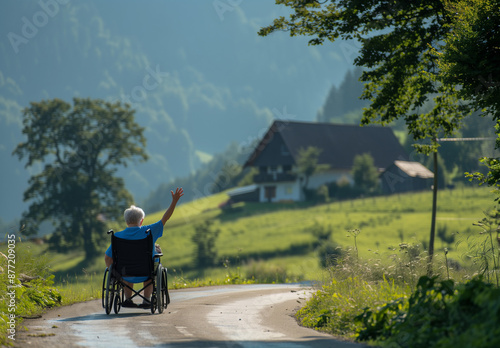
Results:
<point x="433" y="219"/>
<point x="434" y="199"/>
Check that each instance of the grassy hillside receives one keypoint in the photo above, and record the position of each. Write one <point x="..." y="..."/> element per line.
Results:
<point x="270" y="230"/>
<point x="277" y="237"/>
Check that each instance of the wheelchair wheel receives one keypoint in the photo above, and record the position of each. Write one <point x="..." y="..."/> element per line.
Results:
<point x="103" y="291"/>
<point x="109" y="292"/>
<point x="159" y="288"/>
<point x="164" y="289"/>
<point x="117" y="302"/>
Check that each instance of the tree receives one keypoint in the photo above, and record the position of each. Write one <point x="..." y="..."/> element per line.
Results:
<point x="204" y="238"/>
<point x="80" y="148"/>
<point x="469" y="58"/>
<point x="470" y="54"/>
<point x="365" y="173"/>
<point x="307" y="162"/>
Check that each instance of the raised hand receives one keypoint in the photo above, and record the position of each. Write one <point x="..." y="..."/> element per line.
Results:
<point x="179" y="192"/>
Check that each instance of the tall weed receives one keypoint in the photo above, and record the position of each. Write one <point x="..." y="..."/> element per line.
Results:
<point x="483" y="247"/>
<point x="334" y="307"/>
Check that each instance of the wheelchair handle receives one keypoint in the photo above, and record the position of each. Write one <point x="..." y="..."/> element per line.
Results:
<point x="110" y="231"/>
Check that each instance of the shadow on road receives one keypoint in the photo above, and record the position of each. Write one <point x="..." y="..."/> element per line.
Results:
<point x="313" y="343"/>
<point x="104" y="316"/>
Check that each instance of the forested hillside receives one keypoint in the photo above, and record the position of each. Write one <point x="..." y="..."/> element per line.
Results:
<point x="343" y="103"/>
<point x="197" y="74"/>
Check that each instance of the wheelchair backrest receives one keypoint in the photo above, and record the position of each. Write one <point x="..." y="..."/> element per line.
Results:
<point x="133" y="258"/>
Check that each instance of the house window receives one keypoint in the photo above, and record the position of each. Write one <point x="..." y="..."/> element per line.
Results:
<point x="270" y="193"/>
<point x="287" y="169"/>
<point x="273" y="169"/>
<point x="262" y="169"/>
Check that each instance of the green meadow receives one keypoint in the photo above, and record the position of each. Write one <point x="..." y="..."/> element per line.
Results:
<point x="273" y="242"/>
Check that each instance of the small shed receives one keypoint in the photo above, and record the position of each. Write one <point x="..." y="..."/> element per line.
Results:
<point x="405" y="176"/>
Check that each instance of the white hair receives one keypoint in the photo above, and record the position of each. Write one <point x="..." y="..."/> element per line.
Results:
<point x="133" y="215"/>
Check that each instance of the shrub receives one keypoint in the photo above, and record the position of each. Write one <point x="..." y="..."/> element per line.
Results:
<point x="32" y="289"/>
<point x="438" y="313"/>
<point x="335" y="306"/>
<point x="329" y="253"/>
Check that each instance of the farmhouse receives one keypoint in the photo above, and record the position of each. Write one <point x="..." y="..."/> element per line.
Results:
<point x="276" y="157"/>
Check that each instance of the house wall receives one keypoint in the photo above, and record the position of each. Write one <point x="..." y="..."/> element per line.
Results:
<point x="319" y="179"/>
<point x="292" y="191"/>
<point x="286" y="191"/>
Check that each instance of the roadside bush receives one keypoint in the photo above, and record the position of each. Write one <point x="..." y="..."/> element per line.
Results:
<point x="27" y="293"/>
<point x="329" y="253"/>
<point x="334" y="307"/>
<point x="439" y="314"/>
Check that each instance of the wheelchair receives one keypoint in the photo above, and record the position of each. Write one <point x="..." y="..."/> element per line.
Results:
<point x="134" y="258"/>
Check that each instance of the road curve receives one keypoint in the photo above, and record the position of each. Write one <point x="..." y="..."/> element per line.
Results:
<point x="222" y="316"/>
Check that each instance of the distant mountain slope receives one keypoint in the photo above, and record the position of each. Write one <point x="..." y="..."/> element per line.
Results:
<point x="198" y="76"/>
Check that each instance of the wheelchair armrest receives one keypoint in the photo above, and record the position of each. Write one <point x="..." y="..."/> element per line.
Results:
<point x="157" y="256"/>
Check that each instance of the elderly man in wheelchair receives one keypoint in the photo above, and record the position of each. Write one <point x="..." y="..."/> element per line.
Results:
<point x="132" y="258"/>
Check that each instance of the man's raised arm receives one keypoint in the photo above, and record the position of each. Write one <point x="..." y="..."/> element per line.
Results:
<point x="175" y="198"/>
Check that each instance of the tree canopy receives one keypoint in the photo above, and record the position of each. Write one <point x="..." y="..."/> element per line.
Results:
<point x="79" y="148"/>
<point x="469" y="58"/>
<point x="470" y="55"/>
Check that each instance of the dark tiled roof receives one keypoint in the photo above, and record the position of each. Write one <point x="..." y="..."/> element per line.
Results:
<point x="339" y="144"/>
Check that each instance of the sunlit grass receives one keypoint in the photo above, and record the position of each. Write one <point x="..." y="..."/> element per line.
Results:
<point x="81" y="288"/>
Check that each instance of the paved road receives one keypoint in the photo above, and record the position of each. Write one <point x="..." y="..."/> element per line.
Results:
<point x="226" y="316"/>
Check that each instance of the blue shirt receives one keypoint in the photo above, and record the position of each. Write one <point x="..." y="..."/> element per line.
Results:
<point x="135" y="233"/>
